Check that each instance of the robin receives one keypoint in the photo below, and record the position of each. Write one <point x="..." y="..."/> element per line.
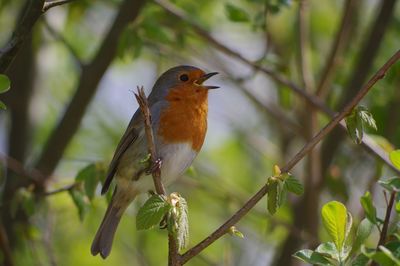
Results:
<point x="178" y="106"/>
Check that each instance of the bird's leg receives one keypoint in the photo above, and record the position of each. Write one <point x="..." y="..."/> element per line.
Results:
<point x="156" y="166"/>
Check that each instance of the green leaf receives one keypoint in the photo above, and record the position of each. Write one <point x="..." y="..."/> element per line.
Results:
<point x="391" y="184"/>
<point x="3" y="106"/>
<point x="334" y="219"/>
<point x="354" y="127"/>
<point x="235" y="232"/>
<point x="293" y="185"/>
<point x="311" y="257"/>
<point x="273" y="195"/>
<point x="80" y="200"/>
<point x="360" y="260"/>
<point x="366" y="117"/>
<point x="328" y="250"/>
<point x="368" y="206"/>
<point x="390" y="255"/>
<point x="90" y="178"/>
<point x="394" y="157"/>
<point x="377" y="256"/>
<point x="363" y="231"/>
<point x="236" y="14"/>
<point x="151" y="213"/>
<point x="358" y="119"/>
<point x="5" y="83"/>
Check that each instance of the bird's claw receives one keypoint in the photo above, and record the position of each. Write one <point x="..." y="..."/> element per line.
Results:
<point x="156" y="166"/>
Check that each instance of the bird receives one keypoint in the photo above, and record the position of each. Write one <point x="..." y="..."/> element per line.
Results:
<point x="178" y="105"/>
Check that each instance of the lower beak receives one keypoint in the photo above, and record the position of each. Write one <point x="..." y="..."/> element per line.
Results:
<point x="204" y="78"/>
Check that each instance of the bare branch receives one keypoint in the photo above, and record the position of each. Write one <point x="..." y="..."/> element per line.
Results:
<point x="310" y="98"/>
<point x="54" y="3"/>
<point x="144" y="108"/>
<point x="173" y="256"/>
<point x="60" y="190"/>
<point x="307" y="148"/>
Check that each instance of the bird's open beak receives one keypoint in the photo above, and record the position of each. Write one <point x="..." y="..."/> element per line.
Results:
<point x="203" y="78"/>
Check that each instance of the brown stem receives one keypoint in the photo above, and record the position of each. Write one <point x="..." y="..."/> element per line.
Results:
<point x="173" y="255"/>
<point x="382" y="238"/>
<point x="307" y="148"/>
<point x="310" y="98"/>
<point x="144" y="107"/>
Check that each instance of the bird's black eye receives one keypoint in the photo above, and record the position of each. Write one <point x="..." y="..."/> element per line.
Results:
<point x="184" y="77"/>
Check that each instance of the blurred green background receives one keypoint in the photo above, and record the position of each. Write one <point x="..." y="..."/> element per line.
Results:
<point x="71" y="100"/>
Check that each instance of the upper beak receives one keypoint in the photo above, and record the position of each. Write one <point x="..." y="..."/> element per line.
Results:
<point x="204" y="78"/>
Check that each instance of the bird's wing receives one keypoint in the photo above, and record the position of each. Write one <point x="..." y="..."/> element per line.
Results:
<point x="130" y="136"/>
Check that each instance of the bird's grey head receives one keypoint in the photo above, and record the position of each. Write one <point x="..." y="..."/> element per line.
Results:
<point x="176" y="76"/>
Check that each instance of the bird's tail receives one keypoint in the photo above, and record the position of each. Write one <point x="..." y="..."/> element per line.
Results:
<point x="103" y="240"/>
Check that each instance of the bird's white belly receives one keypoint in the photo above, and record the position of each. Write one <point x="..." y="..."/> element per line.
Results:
<point x="176" y="158"/>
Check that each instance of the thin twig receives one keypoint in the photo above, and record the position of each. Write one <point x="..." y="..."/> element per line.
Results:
<point x="57" y="36"/>
<point x="310" y="98"/>
<point x="173" y="255"/>
<point x="51" y="4"/>
<point x="383" y="234"/>
<point x="144" y="107"/>
<point x="337" y="48"/>
<point x="60" y="190"/>
<point x="307" y="148"/>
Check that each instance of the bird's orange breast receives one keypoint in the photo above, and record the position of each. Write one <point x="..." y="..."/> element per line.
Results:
<point x="185" y="118"/>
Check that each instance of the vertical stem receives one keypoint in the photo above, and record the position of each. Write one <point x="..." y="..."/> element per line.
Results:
<point x="385" y="227"/>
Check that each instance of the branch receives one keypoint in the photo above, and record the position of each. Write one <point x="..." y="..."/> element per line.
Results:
<point x="34" y="10"/>
<point x="382" y="238"/>
<point x="60" y="190"/>
<point x="310" y="98"/>
<point x="341" y="41"/>
<point x="144" y="108"/>
<point x="57" y="36"/>
<point x="51" y="4"/>
<point x="90" y="77"/>
<point x="173" y="256"/>
<point x="307" y="148"/>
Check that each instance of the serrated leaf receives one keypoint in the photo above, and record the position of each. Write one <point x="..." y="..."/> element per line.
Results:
<point x="364" y="229"/>
<point x="368" y="206"/>
<point x="311" y="257"/>
<point x="80" y="200"/>
<point x="236" y="14"/>
<point x="5" y="83"/>
<point x="394" y="157"/>
<point x="273" y="196"/>
<point x="334" y="219"/>
<point x="3" y="106"/>
<point x="293" y="185"/>
<point x="151" y="213"/>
